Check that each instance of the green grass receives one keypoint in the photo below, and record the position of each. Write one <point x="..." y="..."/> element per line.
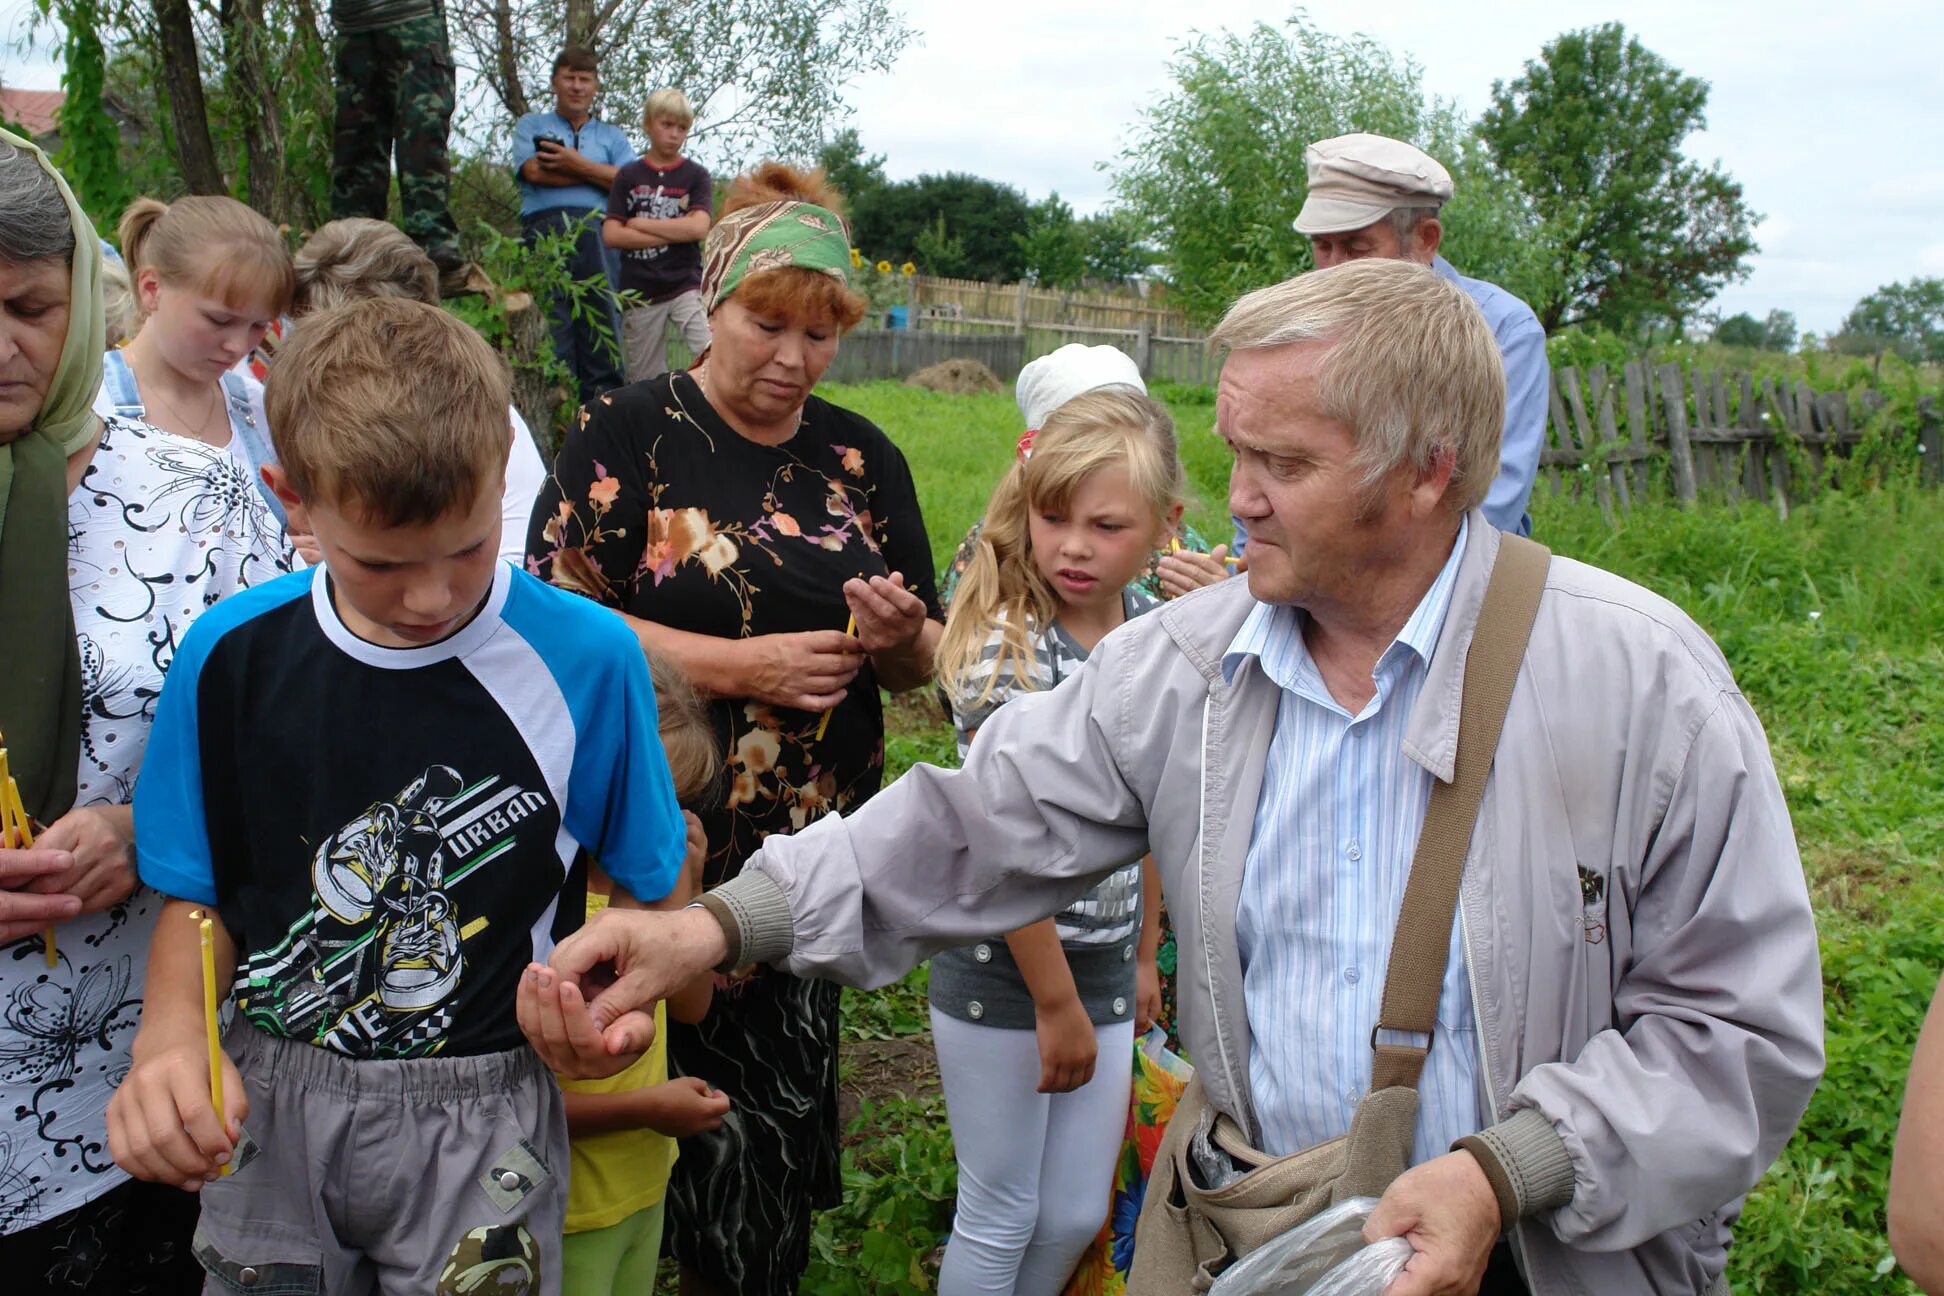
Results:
<point x="1834" y="624"/>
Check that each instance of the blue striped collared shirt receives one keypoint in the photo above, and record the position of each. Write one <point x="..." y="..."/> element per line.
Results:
<point x="1335" y="829"/>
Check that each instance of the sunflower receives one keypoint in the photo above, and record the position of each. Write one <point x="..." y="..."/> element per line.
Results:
<point x="907" y="269"/>
<point x="884" y="267"/>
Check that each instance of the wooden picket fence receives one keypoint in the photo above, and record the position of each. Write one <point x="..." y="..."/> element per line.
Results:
<point x="1711" y="434"/>
<point x="954" y="305"/>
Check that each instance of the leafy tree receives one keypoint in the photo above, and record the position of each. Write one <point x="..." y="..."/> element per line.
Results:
<point x="90" y="142"/>
<point x="1216" y="170"/>
<point x="858" y="175"/>
<point x="1592" y="131"/>
<point x="987" y="219"/>
<point x="1775" y="332"/>
<point x="1054" y="247"/>
<point x="1742" y="330"/>
<point x="1779" y="331"/>
<point x="1904" y="317"/>
<point x="938" y="251"/>
<point x="1115" y="248"/>
<point x="762" y="74"/>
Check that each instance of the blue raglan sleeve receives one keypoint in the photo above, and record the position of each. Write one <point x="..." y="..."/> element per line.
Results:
<point x="620" y="798"/>
<point x="172" y="852"/>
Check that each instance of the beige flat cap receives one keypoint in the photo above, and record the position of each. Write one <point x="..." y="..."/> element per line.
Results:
<point x="1357" y="180"/>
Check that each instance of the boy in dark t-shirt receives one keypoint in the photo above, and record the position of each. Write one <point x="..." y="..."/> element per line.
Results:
<point x="383" y="779"/>
<point x="657" y="216"/>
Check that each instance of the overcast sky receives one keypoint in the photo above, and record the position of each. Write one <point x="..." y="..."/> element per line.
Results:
<point x="1831" y="116"/>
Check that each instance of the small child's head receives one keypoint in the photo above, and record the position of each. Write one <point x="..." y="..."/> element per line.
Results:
<point x="1075" y="519"/>
<point x="117" y="303"/>
<point x="351" y="259"/>
<point x="210" y="276"/>
<point x="666" y="119"/>
<point x="687" y="736"/>
<point x="389" y="421"/>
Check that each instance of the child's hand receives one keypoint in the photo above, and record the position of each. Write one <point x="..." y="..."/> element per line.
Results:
<point x="1147" y="995"/>
<point x="1186" y="571"/>
<point x="685" y="1106"/>
<point x="161" y="1125"/>
<point x="1067" y="1047"/>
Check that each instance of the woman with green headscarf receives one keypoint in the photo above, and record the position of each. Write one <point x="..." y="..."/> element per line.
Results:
<point x="770" y="544"/>
<point x="113" y="537"/>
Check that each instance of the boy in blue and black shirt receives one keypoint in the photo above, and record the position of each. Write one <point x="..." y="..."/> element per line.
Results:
<point x="384" y="777"/>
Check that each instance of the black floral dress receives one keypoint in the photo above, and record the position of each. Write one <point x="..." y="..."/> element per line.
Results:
<point x="660" y="509"/>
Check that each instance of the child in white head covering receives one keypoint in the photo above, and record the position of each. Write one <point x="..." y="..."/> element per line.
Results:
<point x="1184" y="562"/>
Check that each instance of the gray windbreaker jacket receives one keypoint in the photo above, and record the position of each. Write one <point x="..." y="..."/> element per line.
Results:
<point x="1642" y="953"/>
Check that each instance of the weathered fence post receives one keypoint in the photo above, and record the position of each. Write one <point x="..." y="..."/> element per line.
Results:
<point x="1639" y="420"/>
<point x="1019" y="309"/>
<point x="1591" y="463"/>
<point x="1930" y="441"/>
<point x="1610" y="435"/>
<point x="1680" y="453"/>
<point x="1144" y="347"/>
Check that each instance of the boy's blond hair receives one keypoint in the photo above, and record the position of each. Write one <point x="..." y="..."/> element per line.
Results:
<point x="391" y="410"/>
<point x="667" y="102"/>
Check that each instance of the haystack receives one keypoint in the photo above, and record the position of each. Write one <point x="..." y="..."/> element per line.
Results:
<point x="956" y="377"/>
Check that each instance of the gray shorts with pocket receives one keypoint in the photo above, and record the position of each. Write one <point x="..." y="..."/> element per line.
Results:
<point x="434" y="1175"/>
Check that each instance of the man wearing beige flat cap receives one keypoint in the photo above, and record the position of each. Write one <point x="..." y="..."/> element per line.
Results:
<point x="1370" y="196"/>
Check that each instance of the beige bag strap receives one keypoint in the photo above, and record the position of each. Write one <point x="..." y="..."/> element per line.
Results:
<point x="1419" y="948"/>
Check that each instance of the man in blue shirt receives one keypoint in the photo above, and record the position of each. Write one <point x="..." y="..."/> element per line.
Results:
<point x="566" y="160"/>
<point x="1370" y="196"/>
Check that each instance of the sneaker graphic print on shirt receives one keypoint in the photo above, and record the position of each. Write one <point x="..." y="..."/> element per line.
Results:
<point x="371" y="969"/>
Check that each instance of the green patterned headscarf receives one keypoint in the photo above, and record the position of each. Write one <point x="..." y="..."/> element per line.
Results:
<point x="771" y="236"/>
<point x="40" y="688"/>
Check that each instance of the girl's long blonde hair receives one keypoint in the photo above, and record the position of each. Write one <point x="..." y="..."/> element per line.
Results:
<point x="1113" y="426"/>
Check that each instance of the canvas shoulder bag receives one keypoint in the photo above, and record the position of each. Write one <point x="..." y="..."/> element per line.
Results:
<point x="1188" y="1233"/>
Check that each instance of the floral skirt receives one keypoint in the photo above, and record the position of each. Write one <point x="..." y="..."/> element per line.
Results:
<point x="741" y="1199"/>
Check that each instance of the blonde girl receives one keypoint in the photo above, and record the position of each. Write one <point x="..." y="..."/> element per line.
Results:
<point x="1035" y="1029"/>
<point x="210" y="276"/>
<point x="623" y="1128"/>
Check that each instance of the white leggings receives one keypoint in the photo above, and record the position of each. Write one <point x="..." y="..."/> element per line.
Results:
<point x="1036" y="1171"/>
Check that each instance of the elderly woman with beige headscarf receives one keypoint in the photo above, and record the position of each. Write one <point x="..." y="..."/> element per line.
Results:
<point x="114" y="536"/>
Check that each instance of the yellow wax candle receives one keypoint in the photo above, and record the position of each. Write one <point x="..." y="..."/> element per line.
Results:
<point x="17" y="832"/>
<point x="850" y="628"/>
<point x="210" y="1004"/>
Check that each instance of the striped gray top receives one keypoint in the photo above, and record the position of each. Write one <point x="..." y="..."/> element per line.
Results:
<point x="1111" y="911"/>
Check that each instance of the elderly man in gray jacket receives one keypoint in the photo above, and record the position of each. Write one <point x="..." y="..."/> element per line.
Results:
<point x="1630" y="1021"/>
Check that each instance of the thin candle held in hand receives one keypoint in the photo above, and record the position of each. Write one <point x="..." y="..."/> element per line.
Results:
<point x="210" y="1003"/>
<point x="17" y="832"/>
<point x="850" y="628"/>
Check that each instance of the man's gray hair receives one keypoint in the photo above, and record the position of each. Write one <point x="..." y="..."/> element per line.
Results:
<point x="1413" y="369"/>
<point x="1405" y="220"/>
<point x="34" y="224"/>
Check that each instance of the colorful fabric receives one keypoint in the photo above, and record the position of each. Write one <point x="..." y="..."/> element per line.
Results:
<point x="40" y="690"/>
<point x="160" y="529"/>
<point x="771" y="236"/>
<point x="660" y="193"/>
<point x="396" y="91"/>
<point x="1160" y="1078"/>
<point x="623" y="1172"/>
<point x="388" y="868"/>
<point x="663" y="511"/>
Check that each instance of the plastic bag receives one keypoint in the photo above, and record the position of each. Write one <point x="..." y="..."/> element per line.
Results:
<point x="1323" y="1256"/>
<point x="1160" y="1078"/>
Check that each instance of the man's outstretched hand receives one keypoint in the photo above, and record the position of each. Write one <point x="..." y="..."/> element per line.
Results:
<point x="591" y="1011"/>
